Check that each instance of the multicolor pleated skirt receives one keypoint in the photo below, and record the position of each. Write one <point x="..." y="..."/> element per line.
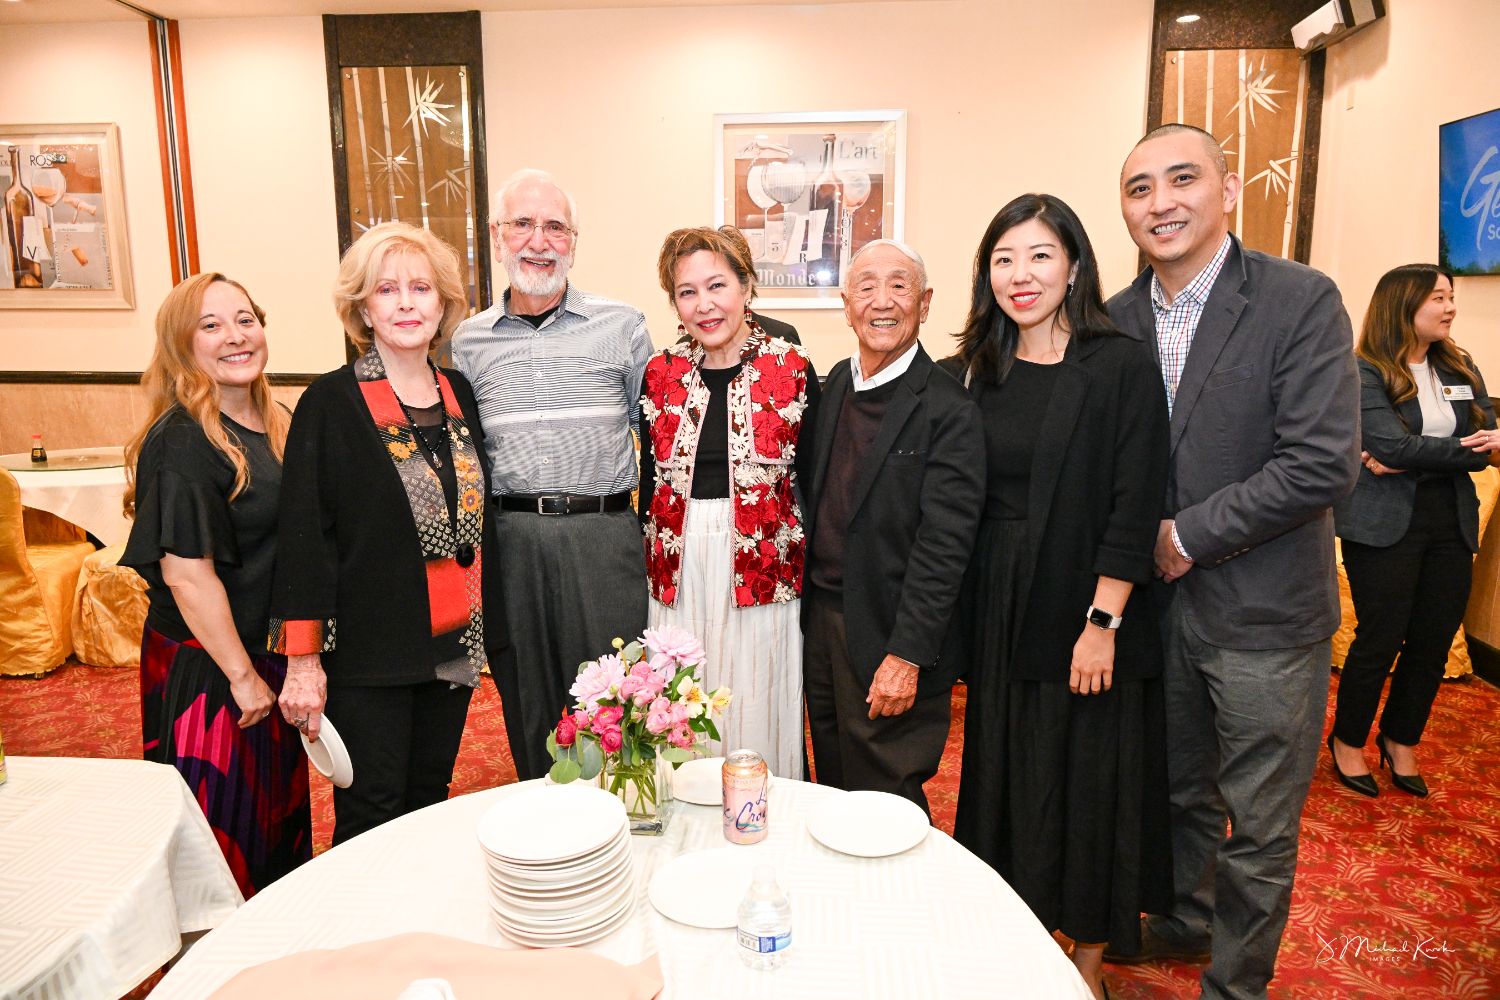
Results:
<point x="251" y="783"/>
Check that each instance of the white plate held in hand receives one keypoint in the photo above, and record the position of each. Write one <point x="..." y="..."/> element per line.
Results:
<point x="869" y="824"/>
<point x="329" y="755"/>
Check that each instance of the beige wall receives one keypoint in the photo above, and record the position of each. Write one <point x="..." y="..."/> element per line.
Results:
<point x="257" y="117"/>
<point x="1001" y="98"/>
<point x="62" y="73"/>
<point x="1387" y="90"/>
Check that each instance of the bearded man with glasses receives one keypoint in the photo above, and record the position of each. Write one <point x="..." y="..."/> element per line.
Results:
<point x="557" y="375"/>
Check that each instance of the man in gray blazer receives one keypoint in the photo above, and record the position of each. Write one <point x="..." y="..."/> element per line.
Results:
<point x="1257" y="363"/>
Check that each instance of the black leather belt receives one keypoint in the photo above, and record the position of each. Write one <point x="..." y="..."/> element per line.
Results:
<point x="557" y="504"/>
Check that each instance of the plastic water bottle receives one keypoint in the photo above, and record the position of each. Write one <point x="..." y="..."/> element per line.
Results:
<point x="765" y="922"/>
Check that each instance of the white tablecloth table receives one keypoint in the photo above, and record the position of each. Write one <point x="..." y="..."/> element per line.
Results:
<point x="104" y="864"/>
<point x="89" y="498"/>
<point x="932" y="922"/>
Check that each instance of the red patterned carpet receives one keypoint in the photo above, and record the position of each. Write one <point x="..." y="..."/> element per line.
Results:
<point x="1395" y="897"/>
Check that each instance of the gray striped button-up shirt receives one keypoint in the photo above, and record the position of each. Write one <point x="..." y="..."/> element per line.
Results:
<point x="558" y="402"/>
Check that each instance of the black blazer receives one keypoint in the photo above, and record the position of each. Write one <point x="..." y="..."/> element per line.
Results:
<point x="916" y="509"/>
<point x="777" y="328"/>
<point x="1093" y="506"/>
<point x="348" y="547"/>
<point x="1378" y="512"/>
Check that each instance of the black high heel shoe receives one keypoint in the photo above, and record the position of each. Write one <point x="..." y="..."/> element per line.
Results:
<point x="1364" y="784"/>
<point x="1411" y="784"/>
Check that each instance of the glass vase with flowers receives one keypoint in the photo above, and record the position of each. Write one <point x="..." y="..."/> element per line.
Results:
<point x="638" y="712"/>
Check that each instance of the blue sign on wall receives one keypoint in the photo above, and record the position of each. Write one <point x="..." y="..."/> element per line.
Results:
<point x="1469" y="194"/>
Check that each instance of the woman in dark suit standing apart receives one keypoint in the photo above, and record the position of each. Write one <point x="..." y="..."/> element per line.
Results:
<point x="1410" y="529"/>
<point x="204" y="477"/>
<point x="386" y="560"/>
<point x="1064" y="785"/>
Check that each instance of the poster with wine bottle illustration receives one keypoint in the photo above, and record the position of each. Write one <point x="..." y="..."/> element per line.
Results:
<point x="62" y="218"/>
<point x="809" y="189"/>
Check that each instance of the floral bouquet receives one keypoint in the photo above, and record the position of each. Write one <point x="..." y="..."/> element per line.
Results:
<point x="637" y="710"/>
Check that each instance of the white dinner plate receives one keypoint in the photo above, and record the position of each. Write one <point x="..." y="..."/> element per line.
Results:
<point x="329" y="755"/>
<point x="563" y="884"/>
<point x="551" y="823"/>
<point x="869" y="824"/>
<point x="700" y="781"/>
<point x="571" y="940"/>
<point x="577" y="913"/>
<point x="704" y="888"/>
<point x="563" y="871"/>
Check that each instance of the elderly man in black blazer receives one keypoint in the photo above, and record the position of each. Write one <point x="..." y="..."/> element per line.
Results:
<point x="1256" y="361"/>
<point x="894" y="499"/>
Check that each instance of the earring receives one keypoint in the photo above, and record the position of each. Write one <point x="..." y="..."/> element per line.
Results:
<point x="681" y="331"/>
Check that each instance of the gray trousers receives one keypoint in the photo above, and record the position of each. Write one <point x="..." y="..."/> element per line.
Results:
<point x="572" y="585"/>
<point x="1243" y="728"/>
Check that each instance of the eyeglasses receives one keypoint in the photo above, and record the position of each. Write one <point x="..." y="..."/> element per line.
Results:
<point x="555" y="231"/>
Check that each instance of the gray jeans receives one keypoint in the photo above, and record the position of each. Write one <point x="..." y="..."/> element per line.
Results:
<point x="1243" y="728"/>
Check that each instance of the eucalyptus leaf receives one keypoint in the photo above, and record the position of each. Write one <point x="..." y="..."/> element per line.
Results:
<point x="631" y="652"/>
<point x="564" y="771"/>
<point x="552" y="745"/>
<point x="590" y="759"/>
<point x="677" y="755"/>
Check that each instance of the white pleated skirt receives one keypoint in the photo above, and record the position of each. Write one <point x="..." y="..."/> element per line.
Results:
<point x="755" y="652"/>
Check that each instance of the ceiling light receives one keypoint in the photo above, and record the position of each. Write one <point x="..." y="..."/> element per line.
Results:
<point x="1188" y="19"/>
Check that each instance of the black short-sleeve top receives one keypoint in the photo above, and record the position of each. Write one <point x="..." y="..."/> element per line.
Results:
<point x="182" y="506"/>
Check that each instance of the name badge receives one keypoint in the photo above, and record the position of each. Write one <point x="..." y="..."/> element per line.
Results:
<point x="1458" y="392"/>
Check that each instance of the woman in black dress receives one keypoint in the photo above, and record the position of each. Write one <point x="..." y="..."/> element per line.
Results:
<point x="1064" y="786"/>
<point x="386" y="560"/>
<point x="204" y="480"/>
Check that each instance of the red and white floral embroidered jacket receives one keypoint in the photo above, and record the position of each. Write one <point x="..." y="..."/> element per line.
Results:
<point x="766" y="402"/>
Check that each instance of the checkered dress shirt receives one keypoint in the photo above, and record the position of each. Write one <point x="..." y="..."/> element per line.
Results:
<point x="1176" y="323"/>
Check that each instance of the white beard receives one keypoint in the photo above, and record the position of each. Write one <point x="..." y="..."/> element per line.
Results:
<point x="533" y="284"/>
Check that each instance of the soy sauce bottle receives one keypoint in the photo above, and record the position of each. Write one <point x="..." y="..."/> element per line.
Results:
<point x="38" y="453"/>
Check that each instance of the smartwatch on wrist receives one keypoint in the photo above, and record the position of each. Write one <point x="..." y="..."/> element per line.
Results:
<point x="1101" y="618"/>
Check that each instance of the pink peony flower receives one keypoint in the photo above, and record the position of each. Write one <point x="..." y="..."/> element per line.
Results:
<point x="681" y="736"/>
<point x="607" y="717"/>
<point x="611" y="739"/>
<point x="580" y="720"/>
<point x="566" y="732"/>
<point x="659" y="717"/>
<point x="599" y="680"/>
<point x="676" y="642"/>
<point x="680" y="714"/>
<point x="643" y="685"/>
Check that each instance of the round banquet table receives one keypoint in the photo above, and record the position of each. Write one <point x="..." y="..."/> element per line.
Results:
<point x="88" y="497"/>
<point x="104" y="865"/>
<point x="934" y="921"/>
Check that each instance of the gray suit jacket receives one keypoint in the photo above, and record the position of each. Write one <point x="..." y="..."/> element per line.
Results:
<point x="1264" y="439"/>
<point x="1378" y="512"/>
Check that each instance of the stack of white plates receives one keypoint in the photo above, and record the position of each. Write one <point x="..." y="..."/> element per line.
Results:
<point x="559" y="864"/>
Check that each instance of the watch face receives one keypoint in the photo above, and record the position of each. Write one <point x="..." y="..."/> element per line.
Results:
<point x="1101" y="618"/>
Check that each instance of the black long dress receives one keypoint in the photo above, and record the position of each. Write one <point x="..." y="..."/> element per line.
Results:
<point x="1057" y="788"/>
<point x="251" y="783"/>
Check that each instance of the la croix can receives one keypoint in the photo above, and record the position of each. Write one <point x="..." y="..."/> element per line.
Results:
<point x="747" y="785"/>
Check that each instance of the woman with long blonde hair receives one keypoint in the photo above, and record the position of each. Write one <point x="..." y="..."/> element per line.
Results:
<point x="204" y="485"/>
<point x="1410" y="529"/>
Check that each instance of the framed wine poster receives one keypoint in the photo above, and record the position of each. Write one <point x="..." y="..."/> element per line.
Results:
<point x="808" y="189"/>
<point x="63" y="242"/>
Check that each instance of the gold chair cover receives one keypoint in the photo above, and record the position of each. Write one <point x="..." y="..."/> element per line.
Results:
<point x="109" y="611"/>
<point x="40" y="558"/>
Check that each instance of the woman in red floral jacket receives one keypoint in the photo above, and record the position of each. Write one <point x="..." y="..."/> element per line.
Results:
<point x="722" y="419"/>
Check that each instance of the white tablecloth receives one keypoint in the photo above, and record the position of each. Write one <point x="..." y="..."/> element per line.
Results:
<point x="933" y="922"/>
<point x="90" y="498"/>
<point x="104" y="864"/>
